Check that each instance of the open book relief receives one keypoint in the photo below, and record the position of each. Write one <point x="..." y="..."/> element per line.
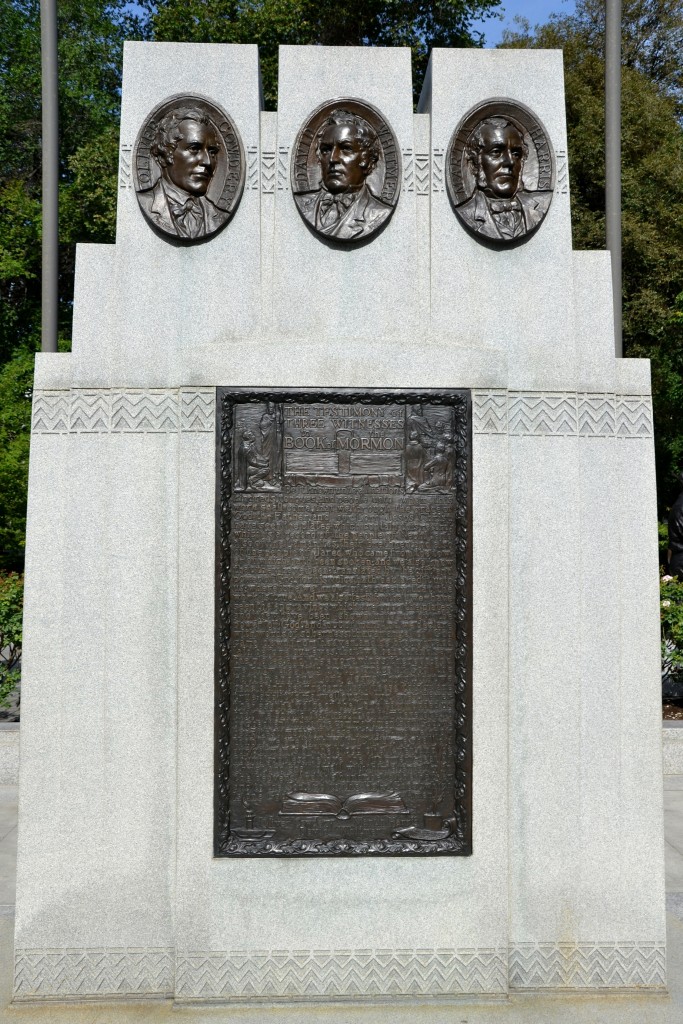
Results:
<point x="324" y="804"/>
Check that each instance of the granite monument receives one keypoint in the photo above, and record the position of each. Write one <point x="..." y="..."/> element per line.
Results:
<point x="341" y="626"/>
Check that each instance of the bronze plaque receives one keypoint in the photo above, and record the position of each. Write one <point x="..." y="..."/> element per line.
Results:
<point x="189" y="168"/>
<point x="346" y="170"/>
<point x="500" y="171"/>
<point x="343" y="702"/>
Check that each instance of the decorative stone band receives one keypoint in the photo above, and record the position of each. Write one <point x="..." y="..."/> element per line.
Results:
<point x="64" y="973"/>
<point x="103" y="411"/>
<point x="494" y="412"/>
<point x="316" y="974"/>
<point x="587" y="965"/>
<point x="561" y="413"/>
<point x="334" y="974"/>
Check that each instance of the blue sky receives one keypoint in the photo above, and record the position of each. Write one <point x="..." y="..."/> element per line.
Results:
<point x="536" y="11"/>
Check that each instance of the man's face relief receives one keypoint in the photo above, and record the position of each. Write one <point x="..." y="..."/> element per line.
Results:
<point x="501" y="160"/>
<point x="194" y="158"/>
<point x="344" y="160"/>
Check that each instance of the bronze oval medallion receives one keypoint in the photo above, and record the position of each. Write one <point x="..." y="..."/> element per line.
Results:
<point x="189" y="168"/>
<point x="500" y="171"/>
<point x="346" y="170"/>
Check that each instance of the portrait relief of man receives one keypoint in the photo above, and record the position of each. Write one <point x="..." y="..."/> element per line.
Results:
<point x="501" y="207"/>
<point x="185" y="148"/>
<point x="344" y="206"/>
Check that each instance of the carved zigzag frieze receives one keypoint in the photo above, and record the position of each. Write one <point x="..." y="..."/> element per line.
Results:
<point x="50" y="413"/>
<point x="197" y="409"/>
<point x="340" y="973"/>
<point x="252" y="175"/>
<point x="587" y="965"/>
<point x="268" y="170"/>
<point x="408" y="170"/>
<point x="316" y="974"/>
<point x="90" y="412"/>
<point x="146" y="411"/>
<point x="45" y="973"/>
<point x="283" y="168"/>
<point x="193" y="409"/>
<point x="549" y="413"/>
<point x="490" y="412"/>
<point x="597" y="415"/>
<point x="634" y="416"/>
<point x="560" y="413"/>
<point x="105" y="411"/>
<point x="422" y="174"/>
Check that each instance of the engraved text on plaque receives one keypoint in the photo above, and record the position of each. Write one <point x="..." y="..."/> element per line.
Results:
<point x="343" y="703"/>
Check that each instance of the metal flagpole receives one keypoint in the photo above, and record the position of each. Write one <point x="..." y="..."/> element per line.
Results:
<point x="613" y="156"/>
<point x="50" y="268"/>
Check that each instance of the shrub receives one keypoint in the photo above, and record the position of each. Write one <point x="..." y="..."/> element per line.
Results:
<point x="671" y="615"/>
<point x="11" y="608"/>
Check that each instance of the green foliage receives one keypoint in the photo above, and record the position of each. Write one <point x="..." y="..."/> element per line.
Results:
<point x="671" y="615"/>
<point x="271" y="23"/>
<point x="663" y="538"/>
<point x="11" y="608"/>
<point x="91" y="35"/>
<point x="652" y="187"/>
<point x="16" y="382"/>
<point x="88" y="202"/>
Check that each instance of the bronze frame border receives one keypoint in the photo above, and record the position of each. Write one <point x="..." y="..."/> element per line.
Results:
<point x="460" y="843"/>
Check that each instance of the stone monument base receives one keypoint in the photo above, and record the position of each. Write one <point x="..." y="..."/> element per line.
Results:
<point x="120" y="892"/>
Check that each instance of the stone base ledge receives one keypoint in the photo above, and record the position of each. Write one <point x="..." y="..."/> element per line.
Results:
<point x="317" y="975"/>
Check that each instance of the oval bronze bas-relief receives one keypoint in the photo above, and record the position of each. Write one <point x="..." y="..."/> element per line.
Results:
<point x="500" y="171"/>
<point x="189" y="168"/>
<point x="346" y="170"/>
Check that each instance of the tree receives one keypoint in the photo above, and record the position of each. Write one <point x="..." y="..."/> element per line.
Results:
<point x="16" y="384"/>
<point x="11" y="607"/>
<point x="270" y="23"/>
<point x="652" y="187"/>
<point x="91" y="35"/>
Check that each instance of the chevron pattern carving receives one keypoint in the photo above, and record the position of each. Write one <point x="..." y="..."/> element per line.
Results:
<point x="197" y="409"/>
<point x="634" y="416"/>
<point x="490" y="412"/>
<point x="43" y="973"/>
<point x="252" y="176"/>
<point x="340" y="973"/>
<point x="146" y="411"/>
<point x="536" y="413"/>
<point x="193" y="409"/>
<point x="267" y="171"/>
<point x="587" y="965"/>
<point x="438" y="173"/>
<point x="103" y="411"/>
<point x="422" y="174"/>
<point x="90" y="411"/>
<point x="50" y="413"/>
<point x="597" y="415"/>
<point x="283" y="168"/>
<point x="49" y="973"/>
<point x="561" y="413"/>
<point x="408" y="170"/>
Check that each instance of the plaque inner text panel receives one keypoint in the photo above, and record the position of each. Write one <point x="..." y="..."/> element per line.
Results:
<point x="343" y="632"/>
